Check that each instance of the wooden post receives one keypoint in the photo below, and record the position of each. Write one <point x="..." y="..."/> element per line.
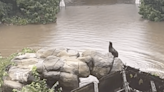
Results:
<point x="96" y="87"/>
<point x="153" y="86"/>
<point x="126" y="84"/>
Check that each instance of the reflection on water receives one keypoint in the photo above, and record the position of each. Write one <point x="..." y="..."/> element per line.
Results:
<point x="91" y="26"/>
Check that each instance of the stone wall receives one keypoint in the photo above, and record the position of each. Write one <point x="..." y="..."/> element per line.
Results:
<point x="68" y="67"/>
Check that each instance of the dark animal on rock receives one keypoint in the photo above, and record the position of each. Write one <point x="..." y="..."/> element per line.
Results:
<point x="114" y="53"/>
<point x="112" y="50"/>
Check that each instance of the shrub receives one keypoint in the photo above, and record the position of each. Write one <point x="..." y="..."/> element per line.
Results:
<point x="4" y="9"/>
<point x="29" y="11"/>
<point x="16" y="20"/>
<point x="39" y="11"/>
<point x="152" y="10"/>
<point x="4" y="63"/>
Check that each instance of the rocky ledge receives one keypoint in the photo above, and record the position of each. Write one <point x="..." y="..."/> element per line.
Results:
<point x="70" y="68"/>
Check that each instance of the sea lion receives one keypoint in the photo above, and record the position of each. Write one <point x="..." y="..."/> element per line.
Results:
<point x="112" y="50"/>
<point x="114" y="53"/>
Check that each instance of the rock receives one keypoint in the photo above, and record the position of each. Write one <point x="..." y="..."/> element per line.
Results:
<point x="117" y="65"/>
<point x="75" y="66"/>
<point x="58" y="50"/>
<point x="25" y="56"/>
<point x="101" y="62"/>
<point x="92" y="53"/>
<point x="101" y="67"/>
<point x="40" y="66"/>
<point x="69" y="81"/>
<point x="52" y="75"/>
<point x="45" y="52"/>
<point x="84" y="70"/>
<point x="68" y="53"/>
<point x="19" y="74"/>
<point x="88" y="60"/>
<point x="25" y="63"/>
<point x="8" y="85"/>
<point x="53" y="63"/>
<point x="70" y="67"/>
<point x="73" y="53"/>
<point x="98" y="62"/>
<point x="62" y="54"/>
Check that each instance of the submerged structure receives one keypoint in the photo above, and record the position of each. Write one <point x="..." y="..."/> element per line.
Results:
<point x="127" y="80"/>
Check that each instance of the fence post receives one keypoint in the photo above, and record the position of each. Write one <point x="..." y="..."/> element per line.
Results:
<point x="96" y="87"/>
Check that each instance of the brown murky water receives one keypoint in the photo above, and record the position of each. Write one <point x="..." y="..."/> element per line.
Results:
<point x="90" y="24"/>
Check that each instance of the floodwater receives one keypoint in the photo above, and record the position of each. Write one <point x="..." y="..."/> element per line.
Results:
<point x="91" y="24"/>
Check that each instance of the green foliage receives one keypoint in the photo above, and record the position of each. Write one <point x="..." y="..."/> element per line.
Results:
<point x="38" y="85"/>
<point x="153" y="74"/>
<point x="152" y="9"/>
<point x="15" y="20"/>
<point x="39" y="11"/>
<point x="4" y="9"/>
<point x="4" y="62"/>
<point x="27" y="50"/>
<point x="31" y="11"/>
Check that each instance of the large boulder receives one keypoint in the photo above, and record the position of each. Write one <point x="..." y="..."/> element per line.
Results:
<point x="92" y="53"/>
<point x="75" y="66"/>
<point x="117" y="65"/>
<point x="88" y="60"/>
<point x="26" y="56"/>
<point x="83" y="69"/>
<point x="25" y="63"/>
<point x="9" y="85"/>
<point x="73" y="53"/>
<point x="53" y="63"/>
<point x="59" y="52"/>
<point x="45" y="52"/>
<point x="23" y="67"/>
<point x="70" y="67"/>
<point x="68" y="53"/>
<point x="52" y="74"/>
<point x="18" y="74"/>
<point x="101" y="64"/>
<point x="51" y="77"/>
<point x="68" y="81"/>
